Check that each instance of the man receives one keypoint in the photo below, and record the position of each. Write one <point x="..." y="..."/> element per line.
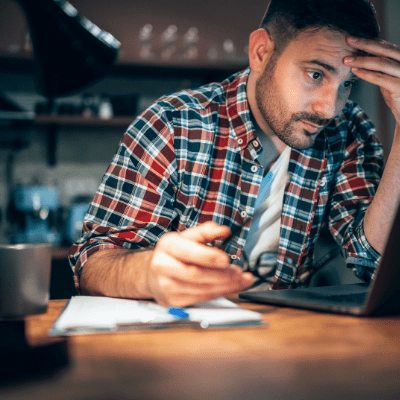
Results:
<point x="270" y="153"/>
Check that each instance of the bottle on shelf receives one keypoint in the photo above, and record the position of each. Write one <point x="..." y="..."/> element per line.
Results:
<point x="213" y="53"/>
<point x="105" y="110"/>
<point x="169" y="42"/>
<point x="190" y="44"/>
<point x="146" y="42"/>
<point x="229" y="50"/>
<point x="88" y="106"/>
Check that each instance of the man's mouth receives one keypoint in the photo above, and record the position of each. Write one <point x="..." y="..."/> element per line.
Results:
<point x="312" y="128"/>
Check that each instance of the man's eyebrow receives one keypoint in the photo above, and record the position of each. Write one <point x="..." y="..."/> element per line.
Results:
<point x="326" y="66"/>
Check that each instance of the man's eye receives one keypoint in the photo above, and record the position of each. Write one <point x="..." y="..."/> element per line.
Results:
<point x="316" y="76"/>
<point x="348" y="84"/>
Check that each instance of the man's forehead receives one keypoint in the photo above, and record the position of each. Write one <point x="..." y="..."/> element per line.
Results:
<point x="327" y="47"/>
<point x="323" y="40"/>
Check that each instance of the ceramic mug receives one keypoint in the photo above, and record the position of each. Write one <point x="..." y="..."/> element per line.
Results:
<point x="25" y="271"/>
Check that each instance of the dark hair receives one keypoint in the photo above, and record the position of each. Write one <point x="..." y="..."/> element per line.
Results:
<point x="285" y="19"/>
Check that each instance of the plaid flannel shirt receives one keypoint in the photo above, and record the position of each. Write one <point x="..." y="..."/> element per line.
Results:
<point x="191" y="158"/>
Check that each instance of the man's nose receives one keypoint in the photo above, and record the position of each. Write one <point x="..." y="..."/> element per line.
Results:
<point x="326" y="102"/>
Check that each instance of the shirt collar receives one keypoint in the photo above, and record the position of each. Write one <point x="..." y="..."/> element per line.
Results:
<point x="238" y="109"/>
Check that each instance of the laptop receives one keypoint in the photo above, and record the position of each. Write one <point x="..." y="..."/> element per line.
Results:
<point x="380" y="297"/>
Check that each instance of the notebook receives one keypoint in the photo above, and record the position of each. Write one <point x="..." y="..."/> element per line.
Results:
<point x="381" y="297"/>
<point x="95" y="314"/>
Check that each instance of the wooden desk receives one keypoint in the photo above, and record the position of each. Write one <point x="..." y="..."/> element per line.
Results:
<point x="298" y="355"/>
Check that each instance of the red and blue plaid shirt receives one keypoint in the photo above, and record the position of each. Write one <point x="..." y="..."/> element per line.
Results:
<point x="191" y="158"/>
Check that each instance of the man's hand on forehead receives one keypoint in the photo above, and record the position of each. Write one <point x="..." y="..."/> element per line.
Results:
<point x="380" y="65"/>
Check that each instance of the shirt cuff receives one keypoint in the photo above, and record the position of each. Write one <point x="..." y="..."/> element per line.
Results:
<point x="78" y="258"/>
<point x="366" y="259"/>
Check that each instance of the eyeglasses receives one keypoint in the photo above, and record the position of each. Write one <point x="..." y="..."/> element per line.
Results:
<point x="262" y="273"/>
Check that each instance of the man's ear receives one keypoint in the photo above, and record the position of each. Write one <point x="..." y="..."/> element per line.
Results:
<point x="261" y="48"/>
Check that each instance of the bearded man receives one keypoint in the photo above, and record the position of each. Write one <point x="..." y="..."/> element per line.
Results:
<point x="246" y="171"/>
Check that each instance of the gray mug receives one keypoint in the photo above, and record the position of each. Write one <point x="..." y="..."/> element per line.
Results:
<point x="24" y="279"/>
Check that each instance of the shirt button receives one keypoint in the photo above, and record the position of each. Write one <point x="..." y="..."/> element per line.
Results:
<point x="255" y="143"/>
<point x="243" y="214"/>
<point x="240" y="141"/>
<point x="323" y="182"/>
<point x="254" y="168"/>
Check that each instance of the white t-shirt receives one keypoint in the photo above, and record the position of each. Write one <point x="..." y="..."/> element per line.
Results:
<point x="263" y="238"/>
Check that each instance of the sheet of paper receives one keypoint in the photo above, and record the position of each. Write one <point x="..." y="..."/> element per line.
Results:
<point x="90" y="314"/>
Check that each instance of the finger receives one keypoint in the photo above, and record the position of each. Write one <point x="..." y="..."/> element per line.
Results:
<point x="378" y="78"/>
<point x="217" y="283"/>
<point x="378" y="64"/>
<point x="173" y="268"/>
<point x="207" y="232"/>
<point x="189" y="251"/>
<point x="175" y="280"/>
<point x="199" y="276"/>
<point x="376" y="47"/>
<point x="189" y="294"/>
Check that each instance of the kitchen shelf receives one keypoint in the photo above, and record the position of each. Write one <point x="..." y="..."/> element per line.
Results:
<point x="200" y="69"/>
<point x="77" y="120"/>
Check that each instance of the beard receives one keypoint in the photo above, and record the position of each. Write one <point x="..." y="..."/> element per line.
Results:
<point x="275" y="112"/>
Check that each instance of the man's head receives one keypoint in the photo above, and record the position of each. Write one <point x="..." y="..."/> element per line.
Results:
<point x="298" y="81"/>
<point x="285" y="19"/>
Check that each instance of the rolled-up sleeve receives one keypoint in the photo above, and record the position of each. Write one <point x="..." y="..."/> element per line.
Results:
<point x="356" y="183"/>
<point x="133" y="205"/>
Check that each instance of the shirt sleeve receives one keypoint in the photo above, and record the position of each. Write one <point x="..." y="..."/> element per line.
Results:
<point x="134" y="204"/>
<point x="355" y="186"/>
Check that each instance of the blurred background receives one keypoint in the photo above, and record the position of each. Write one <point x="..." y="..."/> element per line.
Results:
<point x="53" y="154"/>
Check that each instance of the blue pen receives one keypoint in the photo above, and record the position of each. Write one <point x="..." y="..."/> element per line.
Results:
<point x="178" y="313"/>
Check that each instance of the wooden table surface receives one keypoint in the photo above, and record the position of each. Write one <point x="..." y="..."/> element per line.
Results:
<point x="299" y="354"/>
